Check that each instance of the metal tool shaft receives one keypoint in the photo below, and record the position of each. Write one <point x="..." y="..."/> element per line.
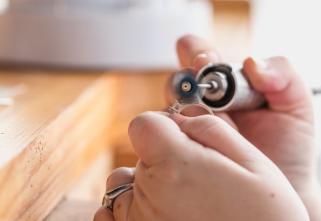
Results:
<point x="208" y="86"/>
<point x="315" y="91"/>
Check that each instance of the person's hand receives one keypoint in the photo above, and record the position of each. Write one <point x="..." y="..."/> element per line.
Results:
<point x="284" y="131"/>
<point x="199" y="168"/>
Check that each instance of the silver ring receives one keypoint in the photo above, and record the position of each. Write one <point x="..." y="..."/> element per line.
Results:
<point x="111" y="195"/>
<point x="178" y="107"/>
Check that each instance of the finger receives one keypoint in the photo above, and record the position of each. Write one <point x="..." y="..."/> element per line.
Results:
<point x="198" y="110"/>
<point x="123" y="202"/>
<point x="280" y="84"/>
<point x="120" y="176"/>
<point x="195" y="110"/>
<point x="192" y="49"/>
<point x="103" y="215"/>
<point x="204" y="59"/>
<point x="215" y="133"/>
<point x="156" y="138"/>
<point x="227" y="119"/>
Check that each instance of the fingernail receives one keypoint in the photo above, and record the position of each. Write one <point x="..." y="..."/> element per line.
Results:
<point x="209" y="55"/>
<point x="205" y="58"/>
<point x="261" y="64"/>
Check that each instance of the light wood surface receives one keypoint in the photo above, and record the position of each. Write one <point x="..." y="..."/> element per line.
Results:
<point x="85" y="197"/>
<point x="137" y="92"/>
<point x="92" y="184"/>
<point x="49" y="137"/>
<point x="232" y="29"/>
<point x="74" y="210"/>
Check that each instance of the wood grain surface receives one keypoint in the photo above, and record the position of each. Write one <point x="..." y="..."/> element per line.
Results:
<point x="49" y="137"/>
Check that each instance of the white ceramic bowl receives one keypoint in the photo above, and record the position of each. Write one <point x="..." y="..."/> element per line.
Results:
<point x="96" y="36"/>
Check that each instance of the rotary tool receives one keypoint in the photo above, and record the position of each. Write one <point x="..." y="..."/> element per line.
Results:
<point x="220" y="87"/>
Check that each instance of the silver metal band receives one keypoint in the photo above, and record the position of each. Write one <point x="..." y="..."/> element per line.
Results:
<point x="111" y="195"/>
<point x="178" y="107"/>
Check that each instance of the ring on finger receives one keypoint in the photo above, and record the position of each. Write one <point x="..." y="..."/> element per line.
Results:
<point x="111" y="195"/>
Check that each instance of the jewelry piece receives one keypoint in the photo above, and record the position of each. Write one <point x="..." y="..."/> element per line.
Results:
<point x="111" y="195"/>
<point x="178" y="108"/>
<point x="175" y="108"/>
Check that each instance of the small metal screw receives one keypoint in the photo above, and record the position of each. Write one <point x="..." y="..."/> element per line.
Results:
<point x="186" y="86"/>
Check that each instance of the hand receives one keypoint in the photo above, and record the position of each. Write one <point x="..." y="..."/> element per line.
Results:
<point x="284" y="132"/>
<point x="199" y="168"/>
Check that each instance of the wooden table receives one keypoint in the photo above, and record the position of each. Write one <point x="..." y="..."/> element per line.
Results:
<point x="57" y="126"/>
<point x="65" y="128"/>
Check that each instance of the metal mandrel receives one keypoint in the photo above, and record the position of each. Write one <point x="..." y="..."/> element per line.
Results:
<point x="316" y="91"/>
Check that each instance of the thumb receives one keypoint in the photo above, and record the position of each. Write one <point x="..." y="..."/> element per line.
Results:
<point x="213" y="132"/>
<point x="283" y="88"/>
<point x="156" y="138"/>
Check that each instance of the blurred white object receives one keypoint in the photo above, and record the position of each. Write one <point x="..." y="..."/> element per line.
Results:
<point x="100" y="34"/>
<point x="3" y="5"/>
<point x="6" y="101"/>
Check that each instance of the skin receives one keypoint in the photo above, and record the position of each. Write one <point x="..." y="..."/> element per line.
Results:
<point x="237" y="154"/>
<point x="187" y="176"/>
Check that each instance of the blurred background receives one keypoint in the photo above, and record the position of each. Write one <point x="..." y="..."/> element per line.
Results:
<point x="141" y="33"/>
<point x="135" y="40"/>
